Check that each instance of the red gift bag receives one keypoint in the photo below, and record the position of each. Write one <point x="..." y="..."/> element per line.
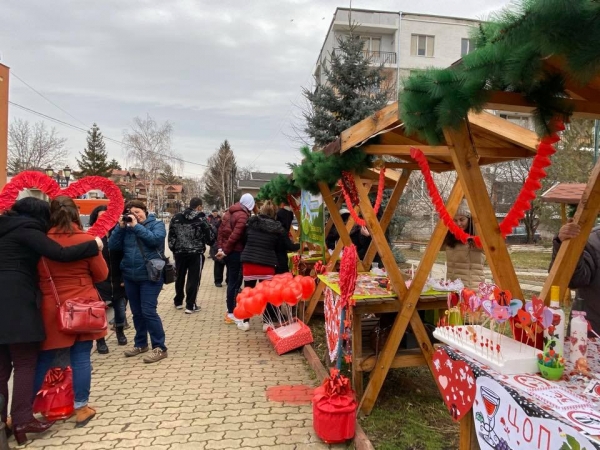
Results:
<point x="290" y="337"/>
<point x="334" y="410"/>
<point x="55" y="399"/>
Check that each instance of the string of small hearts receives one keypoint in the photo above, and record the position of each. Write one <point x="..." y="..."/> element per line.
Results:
<point x="348" y="187"/>
<point x="348" y="276"/>
<point x="517" y="211"/>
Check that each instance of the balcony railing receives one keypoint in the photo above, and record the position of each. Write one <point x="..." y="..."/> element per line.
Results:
<point x="376" y="58"/>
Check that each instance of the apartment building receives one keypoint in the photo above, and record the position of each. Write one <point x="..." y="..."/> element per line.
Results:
<point x="401" y="42"/>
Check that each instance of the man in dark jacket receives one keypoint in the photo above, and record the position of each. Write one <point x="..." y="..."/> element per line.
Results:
<point x="586" y="278"/>
<point x="219" y="267"/>
<point x="189" y="234"/>
<point x="230" y="245"/>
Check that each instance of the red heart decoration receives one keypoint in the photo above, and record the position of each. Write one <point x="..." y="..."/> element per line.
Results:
<point x="48" y="186"/>
<point x="456" y="383"/>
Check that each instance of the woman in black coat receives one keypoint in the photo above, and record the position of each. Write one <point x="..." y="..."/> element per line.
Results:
<point x="22" y="241"/>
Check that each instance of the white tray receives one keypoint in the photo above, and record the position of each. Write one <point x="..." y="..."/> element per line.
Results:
<point x="515" y="357"/>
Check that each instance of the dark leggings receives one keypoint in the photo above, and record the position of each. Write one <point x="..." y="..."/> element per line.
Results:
<point x="22" y="358"/>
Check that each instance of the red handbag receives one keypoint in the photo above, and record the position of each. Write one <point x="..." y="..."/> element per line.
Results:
<point x="78" y="315"/>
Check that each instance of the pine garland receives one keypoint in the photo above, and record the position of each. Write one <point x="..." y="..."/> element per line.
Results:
<point x="509" y="56"/>
<point x="278" y="190"/>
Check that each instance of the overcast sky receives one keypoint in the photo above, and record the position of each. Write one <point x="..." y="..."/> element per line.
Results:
<point x="227" y="69"/>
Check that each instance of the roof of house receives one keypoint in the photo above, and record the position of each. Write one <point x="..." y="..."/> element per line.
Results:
<point x="569" y="193"/>
<point x="176" y="188"/>
<point x="264" y="176"/>
<point x="251" y="184"/>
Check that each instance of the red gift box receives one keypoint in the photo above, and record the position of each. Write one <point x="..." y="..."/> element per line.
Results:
<point x="334" y="416"/>
<point x="290" y="337"/>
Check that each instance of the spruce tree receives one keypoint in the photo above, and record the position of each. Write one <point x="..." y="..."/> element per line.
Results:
<point x="114" y="165"/>
<point x="353" y="91"/>
<point x="94" y="158"/>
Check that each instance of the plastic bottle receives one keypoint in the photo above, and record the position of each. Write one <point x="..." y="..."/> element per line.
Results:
<point x="578" y="336"/>
<point x="556" y="331"/>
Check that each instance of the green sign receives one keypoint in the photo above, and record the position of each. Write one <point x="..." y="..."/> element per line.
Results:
<point x="312" y="226"/>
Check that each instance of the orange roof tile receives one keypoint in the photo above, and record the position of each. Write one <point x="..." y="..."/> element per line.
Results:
<point x="569" y="193"/>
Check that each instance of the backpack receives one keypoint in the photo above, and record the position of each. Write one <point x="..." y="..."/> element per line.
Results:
<point x="210" y="235"/>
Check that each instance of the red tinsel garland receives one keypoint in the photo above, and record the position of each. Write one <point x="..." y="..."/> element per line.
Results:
<point x="292" y="202"/>
<point x="351" y="202"/>
<point x="32" y="179"/>
<point x="523" y="203"/>
<point x="348" y="275"/>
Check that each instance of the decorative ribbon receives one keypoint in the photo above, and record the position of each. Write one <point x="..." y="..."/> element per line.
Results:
<point x="348" y="187"/>
<point x="517" y="211"/>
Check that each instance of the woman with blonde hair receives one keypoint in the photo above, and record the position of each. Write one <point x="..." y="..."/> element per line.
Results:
<point x="259" y="257"/>
<point x="72" y="280"/>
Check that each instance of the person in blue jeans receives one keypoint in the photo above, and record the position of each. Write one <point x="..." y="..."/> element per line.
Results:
<point x="141" y="238"/>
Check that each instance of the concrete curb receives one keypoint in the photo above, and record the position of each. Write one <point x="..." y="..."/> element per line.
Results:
<point x="361" y="440"/>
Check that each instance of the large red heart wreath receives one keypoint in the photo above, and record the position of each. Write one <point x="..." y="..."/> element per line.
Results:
<point x="48" y="186"/>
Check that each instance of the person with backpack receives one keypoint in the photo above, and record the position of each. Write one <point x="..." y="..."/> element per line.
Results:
<point x="219" y="267"/>
<point x="189" y="234"/>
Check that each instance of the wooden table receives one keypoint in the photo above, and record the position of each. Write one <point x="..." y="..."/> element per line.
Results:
<point x="364" y="358"/>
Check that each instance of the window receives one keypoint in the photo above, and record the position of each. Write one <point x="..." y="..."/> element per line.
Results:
<point x="421" y="45"/>
<point x="371" y="44"/>
<point x="466" y="46"/>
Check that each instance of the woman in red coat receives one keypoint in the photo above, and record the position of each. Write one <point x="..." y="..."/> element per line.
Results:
<point x="75" y="279"/>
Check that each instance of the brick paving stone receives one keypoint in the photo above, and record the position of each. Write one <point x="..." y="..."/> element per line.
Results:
<point x="210" y="393"/>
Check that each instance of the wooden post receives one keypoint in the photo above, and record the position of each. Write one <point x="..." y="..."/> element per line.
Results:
<point x="409" y="303"/>
<point x="468" y="437"/>
<point x="4" y="79"/>
<point x="465" y="159"/>
<point x="386" y="218"/>
<point x="357" y="374"/>
<point x="570" y="251"/>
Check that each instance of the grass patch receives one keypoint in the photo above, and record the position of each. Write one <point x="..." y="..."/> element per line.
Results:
<point x="410" y="414"/>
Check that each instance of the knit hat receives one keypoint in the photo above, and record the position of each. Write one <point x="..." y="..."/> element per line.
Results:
<point x="248" y="201"/>
<point x="463" y="210"/>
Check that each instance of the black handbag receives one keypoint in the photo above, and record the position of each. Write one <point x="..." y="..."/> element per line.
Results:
<point x="158" y="267"/>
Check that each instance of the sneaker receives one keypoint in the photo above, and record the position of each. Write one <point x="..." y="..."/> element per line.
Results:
<point x="244" y="326"/>
<point x="229" y="318"/>
<point x="195" y="309"/>
<point x="136" y="351"/>
<point x="218" y="284"/>
<point x="178" y="306"/>
<point x="156" y="355"/>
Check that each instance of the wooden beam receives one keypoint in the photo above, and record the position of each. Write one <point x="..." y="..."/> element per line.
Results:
<point x="407" y="312"/>
<point x="388" y="214"/>
<point x="366" y="128"/>
<point x="333" y="147"/>
<point x="415" y="166"/>
<point x="506" y="130"/>
<point x="443" y="151"/>
<point x="570" y="251"/>
<point x="4" y="79"/>
<point x="329" y="224"/>
<point x="405" y="358"/>
<point x="464" y="156"/>
<point x="514" y="101"/>
<point x="468" y="435"/>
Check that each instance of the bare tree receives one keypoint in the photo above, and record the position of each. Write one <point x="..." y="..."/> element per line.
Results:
<point x="148" y="147"/>
<point x="34" y="146"/>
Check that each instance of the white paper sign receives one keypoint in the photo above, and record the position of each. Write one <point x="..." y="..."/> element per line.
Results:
<point x="499" y="419"/>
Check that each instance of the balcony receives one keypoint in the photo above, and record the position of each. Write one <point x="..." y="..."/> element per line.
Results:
<point x="377" y="58"/>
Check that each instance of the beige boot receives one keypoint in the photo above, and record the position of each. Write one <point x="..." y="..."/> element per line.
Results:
<point x="83" y="416"/>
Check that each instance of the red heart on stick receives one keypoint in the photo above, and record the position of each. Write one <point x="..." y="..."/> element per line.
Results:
<point x="48" y="186"/>
<point x="456" y="383"/>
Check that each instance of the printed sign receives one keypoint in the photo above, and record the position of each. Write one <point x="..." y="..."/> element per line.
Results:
<point x="501" y="423"/>
<point x="312" y="225"/>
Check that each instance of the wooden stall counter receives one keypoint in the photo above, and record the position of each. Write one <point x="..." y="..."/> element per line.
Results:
<point x="372" y="297"/>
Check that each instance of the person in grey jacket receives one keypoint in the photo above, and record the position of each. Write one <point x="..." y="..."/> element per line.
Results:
<point x="141" y="238"/>
<point x="586" y="278"/>
<point x="189" y="234"/>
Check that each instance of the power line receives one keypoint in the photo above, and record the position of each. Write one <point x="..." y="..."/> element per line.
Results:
<point x="44" y="97"/>
<point x="83" y="130"/>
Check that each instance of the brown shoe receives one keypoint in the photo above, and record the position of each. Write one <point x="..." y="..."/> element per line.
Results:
<point x="136" y="351"/>
<point x="83" y="416"/>
<point x="156" y="355"/>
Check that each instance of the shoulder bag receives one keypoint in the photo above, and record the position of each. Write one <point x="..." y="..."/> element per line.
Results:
<point x="156" y="267"/>
<point x="78" y="315"/>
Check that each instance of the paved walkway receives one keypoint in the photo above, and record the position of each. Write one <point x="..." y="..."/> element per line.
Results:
<point x="209" y="394"/>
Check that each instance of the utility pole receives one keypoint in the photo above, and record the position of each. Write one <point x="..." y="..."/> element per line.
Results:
<point x="4" y="76"/>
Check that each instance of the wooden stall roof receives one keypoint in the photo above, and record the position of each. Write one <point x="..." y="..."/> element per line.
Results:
<point x="382" y="134"/>
<point x="567" y="193"/>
